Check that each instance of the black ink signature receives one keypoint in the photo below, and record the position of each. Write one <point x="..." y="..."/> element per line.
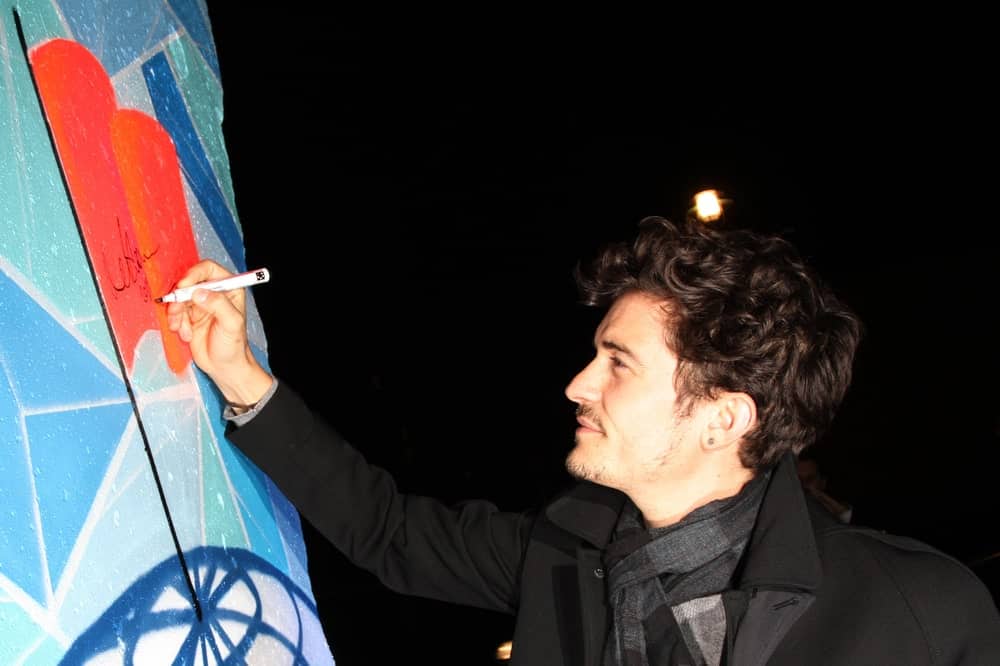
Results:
<point x="128" y="272"/>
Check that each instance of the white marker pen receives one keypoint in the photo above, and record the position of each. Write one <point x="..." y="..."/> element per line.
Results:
<point x="248" y="279"/>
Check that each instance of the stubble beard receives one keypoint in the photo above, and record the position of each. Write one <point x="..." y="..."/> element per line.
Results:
<point x="579" y="469"/>
<point x="582" y="470"/>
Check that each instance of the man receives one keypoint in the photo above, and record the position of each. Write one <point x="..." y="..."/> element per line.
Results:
<point x="689" y="539"/>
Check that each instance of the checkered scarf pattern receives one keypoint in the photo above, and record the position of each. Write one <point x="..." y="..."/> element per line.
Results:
<point x="665" y="584"/>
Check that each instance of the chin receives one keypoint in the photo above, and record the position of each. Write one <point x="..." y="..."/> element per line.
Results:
<point x="578" y="468"/>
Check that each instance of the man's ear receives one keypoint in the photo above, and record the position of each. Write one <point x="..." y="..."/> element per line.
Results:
<point x="735" y="415"/>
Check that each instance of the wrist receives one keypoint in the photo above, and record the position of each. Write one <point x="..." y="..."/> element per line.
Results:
<point x="244" y="389"/>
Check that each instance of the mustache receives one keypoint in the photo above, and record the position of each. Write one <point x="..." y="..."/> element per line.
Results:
<point x="587" y="412"/>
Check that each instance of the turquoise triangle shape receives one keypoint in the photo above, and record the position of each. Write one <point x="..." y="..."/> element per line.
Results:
<point x="70" y="451"/>
<point x="48" y="367"/>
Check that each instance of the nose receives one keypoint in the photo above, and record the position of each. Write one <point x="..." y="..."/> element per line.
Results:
<point x="585" y="387"/>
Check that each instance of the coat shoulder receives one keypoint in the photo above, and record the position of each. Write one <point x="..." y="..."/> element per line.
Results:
<point x="944" y="597"/>
<point x="902" y="558"/>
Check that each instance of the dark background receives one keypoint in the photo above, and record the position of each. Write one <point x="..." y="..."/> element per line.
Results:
<point x="421" y="192"/>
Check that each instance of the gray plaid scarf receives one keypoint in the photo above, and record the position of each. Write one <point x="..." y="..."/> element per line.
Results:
<point x="665" y="584"/>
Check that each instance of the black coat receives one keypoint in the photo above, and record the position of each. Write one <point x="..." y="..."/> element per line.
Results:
<point x="815" y="591"/>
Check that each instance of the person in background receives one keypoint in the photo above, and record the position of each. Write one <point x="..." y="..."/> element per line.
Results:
<point x="688" y="538"/>
<point x="814" y="481"/>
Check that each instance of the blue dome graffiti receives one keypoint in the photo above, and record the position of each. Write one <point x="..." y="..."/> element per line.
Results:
<point x="153" y="622"/>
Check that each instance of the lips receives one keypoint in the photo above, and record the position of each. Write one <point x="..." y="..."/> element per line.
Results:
<point x="587" y="420"/>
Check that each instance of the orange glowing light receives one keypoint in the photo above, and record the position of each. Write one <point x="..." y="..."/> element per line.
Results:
<point x="503" y="651"/>
<point x="708" y="206"/>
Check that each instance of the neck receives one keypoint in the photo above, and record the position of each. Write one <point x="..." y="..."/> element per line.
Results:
<point x="665" y="503"/>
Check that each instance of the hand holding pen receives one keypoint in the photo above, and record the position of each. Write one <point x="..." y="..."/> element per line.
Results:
<point x="207" y="310"/>
<point x="238" y="281"/>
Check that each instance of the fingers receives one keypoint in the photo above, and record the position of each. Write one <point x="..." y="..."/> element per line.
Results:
<point x="216" y="305"/>
<point x="179" y="314"/>
<point x="175" y="311"/>
<point x="204" y="270"/>
<point x="206" y="309"/>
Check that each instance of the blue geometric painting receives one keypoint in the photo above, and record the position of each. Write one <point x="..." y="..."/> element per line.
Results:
<point x="131" y="531"/>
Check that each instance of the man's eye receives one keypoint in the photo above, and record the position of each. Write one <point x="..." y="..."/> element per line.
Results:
<point x="616" y="362"/>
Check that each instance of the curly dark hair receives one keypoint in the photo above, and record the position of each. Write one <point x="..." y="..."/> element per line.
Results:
<point x="744" y="314"/>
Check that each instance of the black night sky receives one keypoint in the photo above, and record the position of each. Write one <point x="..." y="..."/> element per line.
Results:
<point x="422" y="191"/>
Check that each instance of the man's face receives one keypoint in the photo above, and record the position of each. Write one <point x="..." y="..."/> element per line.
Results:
<point x="632" y="433"/>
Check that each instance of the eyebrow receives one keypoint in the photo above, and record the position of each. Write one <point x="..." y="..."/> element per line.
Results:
<point x="621" y="349"/>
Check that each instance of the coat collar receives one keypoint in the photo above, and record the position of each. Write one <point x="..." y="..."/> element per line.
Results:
<point x="588" y="511"/>
<point x="782" y="550"/>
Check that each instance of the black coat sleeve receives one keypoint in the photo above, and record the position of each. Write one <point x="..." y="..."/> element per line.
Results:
<point x="468" y="554"/>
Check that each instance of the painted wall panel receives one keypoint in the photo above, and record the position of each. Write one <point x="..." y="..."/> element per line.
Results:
<point x="130" y="530"/>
